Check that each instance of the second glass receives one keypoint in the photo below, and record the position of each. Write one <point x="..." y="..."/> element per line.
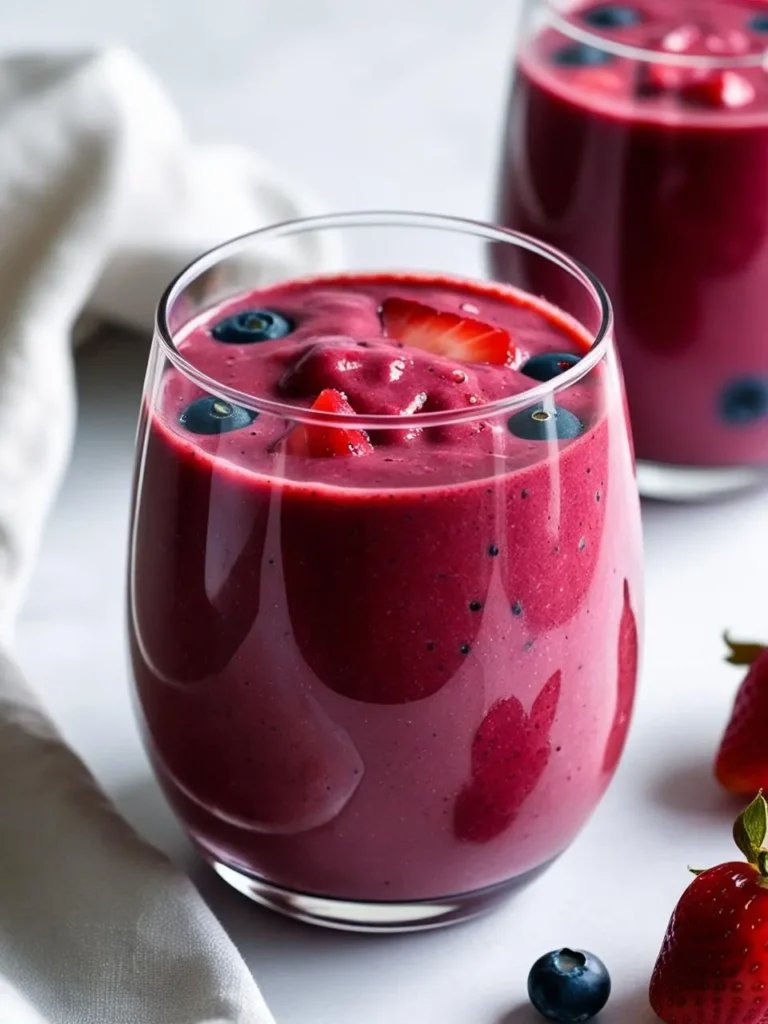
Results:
<point x="385" y="660"/>
<point x="637" y="141"/>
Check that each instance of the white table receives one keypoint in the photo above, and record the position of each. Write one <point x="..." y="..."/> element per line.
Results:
<point x="394" y="104"/>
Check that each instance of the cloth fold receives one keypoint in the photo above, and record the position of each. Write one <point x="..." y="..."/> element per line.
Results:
<point x="102" y="200"/>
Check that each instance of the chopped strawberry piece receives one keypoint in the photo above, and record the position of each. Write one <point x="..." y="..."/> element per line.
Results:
<point x="628" y="656"/>
<point x="510" y="751"/>
<point x="720" y="89"/>
<point x="445" y="334"/>
<point x="319" y="442"/>
<point x="682" y="39"/>
<point x="659" y="78"/>
<point x="603" y="80"/>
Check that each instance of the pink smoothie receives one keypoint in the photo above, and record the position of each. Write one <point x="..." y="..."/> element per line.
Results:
<point x="656" y="177"/>
<point x="405" y="671"/>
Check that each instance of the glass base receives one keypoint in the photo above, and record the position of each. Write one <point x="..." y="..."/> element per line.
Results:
<point x="666" y="482"/>
<point x="375" y="917"/>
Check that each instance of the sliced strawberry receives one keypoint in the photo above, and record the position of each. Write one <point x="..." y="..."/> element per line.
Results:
<point x="445" y="334"/>
<point x="741" y="765"/>
<point x="319" y="442"/>
<point x="628" y="654"/>
<point x="713" y="963"/>
<point x="509" y="754"/>
<point x="719" y="89"/>
<point x="682" y="39"/>
<point x="603" y="80"/>
<point x="656" y="78"/>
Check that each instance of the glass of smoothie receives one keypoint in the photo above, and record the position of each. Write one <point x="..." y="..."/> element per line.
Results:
<point x="385" y="580"/>
<point x="637" y="141"/>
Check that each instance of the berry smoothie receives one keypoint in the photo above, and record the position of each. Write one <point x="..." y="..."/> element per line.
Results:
<point x="655" y="175"/>
<point x="385" y="664"/>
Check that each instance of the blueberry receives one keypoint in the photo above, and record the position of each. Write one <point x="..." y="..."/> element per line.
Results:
<point x="252" y="325"/>
<point x="540" y="424"/>
<point x="569" y="985"/>
<point x="758" y="23"/>
<point x="577" y="55"/>
<point x="547" y="365"/>
<point x="745" y="400"/>
<point x="613" y="16"/>
<point x="211" y="415"/>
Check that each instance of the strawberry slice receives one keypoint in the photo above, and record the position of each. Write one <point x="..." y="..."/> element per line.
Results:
<point x="628" y="656"/>
<point x="319" y="442"/>
<point x="510" y="752"/>
<point x="445" y="334"/>
<point x="720" y="89"/>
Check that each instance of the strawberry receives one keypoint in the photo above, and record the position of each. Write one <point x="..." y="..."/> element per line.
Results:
<point x="319" y="442"/>
<point x="509" y="754"/>
<point x="741" y="765"/>
<point x="626" y="680"/>
<point x="656" y="78"/>
<point x="713" y="963"/>
<point x="719" y="89"/>
<point x="445" y="334"/>
<point x="602" y="80"/>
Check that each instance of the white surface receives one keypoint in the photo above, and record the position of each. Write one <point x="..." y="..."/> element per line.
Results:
<point x="388" y="104"/>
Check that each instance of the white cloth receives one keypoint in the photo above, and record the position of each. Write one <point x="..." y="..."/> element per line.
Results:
<point x="102" y="199"/>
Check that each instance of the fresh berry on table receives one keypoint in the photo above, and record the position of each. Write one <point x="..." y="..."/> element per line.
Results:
<point x="569" y="985"/>
<point x="713" y="964"/>
<point x="741" y="765"/>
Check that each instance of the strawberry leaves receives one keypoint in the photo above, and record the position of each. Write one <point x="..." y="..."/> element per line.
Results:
<point x="750" y="830"/>
<point x="740" y="652"/>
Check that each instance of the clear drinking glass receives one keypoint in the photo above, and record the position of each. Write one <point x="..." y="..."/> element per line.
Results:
<point x="380" y="692"/>
<point x="637" y="141"/>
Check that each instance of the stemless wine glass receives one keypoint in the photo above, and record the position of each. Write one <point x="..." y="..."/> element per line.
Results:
<point x="637" y="141"/>
<point x="382" y="681"/>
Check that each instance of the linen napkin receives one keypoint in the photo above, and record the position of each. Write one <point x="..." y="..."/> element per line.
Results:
<point x="102" y="199"/>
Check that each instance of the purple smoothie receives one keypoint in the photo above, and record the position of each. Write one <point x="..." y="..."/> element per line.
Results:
<point x="394" y="675"/>
<point x="656" y="177"/>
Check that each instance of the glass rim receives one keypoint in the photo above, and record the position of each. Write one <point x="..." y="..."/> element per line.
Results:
<point x="602" y="339"/>
<point x="562" y="20"/>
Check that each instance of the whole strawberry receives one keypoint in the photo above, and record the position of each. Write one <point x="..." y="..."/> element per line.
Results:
<point x="741" y="765"/>
<point x="713" y="964"/>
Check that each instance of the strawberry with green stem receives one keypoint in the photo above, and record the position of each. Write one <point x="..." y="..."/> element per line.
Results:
<point x="713" y="963"/>
<point x="741" y="765"/>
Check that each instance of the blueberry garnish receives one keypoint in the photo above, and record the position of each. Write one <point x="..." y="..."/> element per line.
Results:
<point x="569" y="985"/>
<point x="540" y="424"/>
<point x="613" y="16"/>
<point x="252" y="325"/>
<point x="745" y="400"/>
<point x="758" y="23"/>
<point x="547" y="365"/>
<point x="578" y="55"/>
<point x="211" y="415"/>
